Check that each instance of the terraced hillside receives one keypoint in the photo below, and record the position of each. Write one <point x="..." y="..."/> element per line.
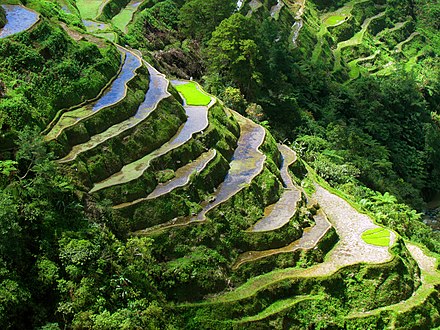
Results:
<point x="367" y="42"/>
<point x="208" y="188"/>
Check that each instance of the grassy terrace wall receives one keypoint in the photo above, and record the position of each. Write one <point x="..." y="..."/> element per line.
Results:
<point x="60" y="73"/>
<point x="104" y="118"/>
<point x="223" y="231"/>
<point x="53" y="58"/>
<point x="112" y="8"/>
<point x="357" y="287"/>
<point x="285" y="260"/>
<point x="110" y="156"/>
<point x="2" y="17"/>
<point x="423" y="316"/>
<point x="180" y="202"/>
<point x="221" y="134"/>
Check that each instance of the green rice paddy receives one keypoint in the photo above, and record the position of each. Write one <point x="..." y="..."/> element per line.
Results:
<point x="334" y="20"/>
<point x="88" y="8"/>
<point x="193" y="95"/>
<point x="377" y="236"/>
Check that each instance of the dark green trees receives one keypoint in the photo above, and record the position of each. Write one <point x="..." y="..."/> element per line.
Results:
<point x="198" y="18"/>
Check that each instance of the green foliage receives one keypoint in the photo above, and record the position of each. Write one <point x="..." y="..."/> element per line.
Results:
<point x="2" y="17"/>
<point x="199" y="18"/>
<point x="44" y="70"/>
<point x="233" y="53"/>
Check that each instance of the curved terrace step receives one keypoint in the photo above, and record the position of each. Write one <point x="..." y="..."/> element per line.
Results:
<point x="157" y="91"/>
<point x="280" y="213"/>
<point x="276" y="308"/>
<point x="398" y="48"/>
<point x="125" y="16"/>
<point x="355" y="40"/>
<point x="333" y="19"/>
<point x="275" y="10"/>
<point x="197" y="121"/>
<point x="247" y="162"/>
<point x="430" y="277"/>
<point x="111" y="96"/>
<point x="350" y="250"/>
<point x="289" y="157"/>
<point x="311" y="236"/>
<point x="18" y="19"/>
<point x="182" y="178"/>
<point x="354" y="65"/>
<point x="396" y="27"/>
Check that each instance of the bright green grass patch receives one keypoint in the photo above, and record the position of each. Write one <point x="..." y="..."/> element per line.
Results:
<point x="122" y="19"/>
<point x="377" y="236"/>
<point x="193" y="95"/>
<point x="88" y="8"/>
<point x="334" y="20"/>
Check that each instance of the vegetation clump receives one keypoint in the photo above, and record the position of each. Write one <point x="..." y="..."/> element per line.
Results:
<point x="2" y="17"/>
<point x="351" y="86"/>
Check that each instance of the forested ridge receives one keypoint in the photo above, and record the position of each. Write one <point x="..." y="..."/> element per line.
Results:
<point x="283" y="190"/>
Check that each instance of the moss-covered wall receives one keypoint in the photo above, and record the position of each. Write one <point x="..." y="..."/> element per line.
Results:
<point x="220" y="135"/>
<point x="359" y="287"/>
<point x="134" y="143"/>
<point x="105" y="118"/>
<point x="112" y="8"/>
<point x="59" y="71"/>
<point x="2" y="17"/>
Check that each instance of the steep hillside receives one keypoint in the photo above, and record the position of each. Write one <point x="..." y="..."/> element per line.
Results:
<point x="136" y="199"/>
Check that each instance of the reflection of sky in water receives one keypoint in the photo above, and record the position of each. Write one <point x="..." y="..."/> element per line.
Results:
<point x="135" y="5"/>
<point x="66" y="9"/>
<point x="156" y="92"/>
<point x="244" y="166"/>
<point x="117" y="89"/>
<point x="183" y="174"/>
<point x="18" y="19"/>
<point x="156" y="89"/>
<point x="92" y="24"/>
<point x="196" y="122"/>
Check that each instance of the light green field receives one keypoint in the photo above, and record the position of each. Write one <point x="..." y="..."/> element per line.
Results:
<point x="88" y="8"/>
<point x="377" y="236"/>
<point x="334" y="20"/>
<point x="125" y="16"/>
<point x="193" y="95"/>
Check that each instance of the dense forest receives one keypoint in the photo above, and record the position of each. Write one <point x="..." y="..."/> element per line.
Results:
<point x="87" y="241"/>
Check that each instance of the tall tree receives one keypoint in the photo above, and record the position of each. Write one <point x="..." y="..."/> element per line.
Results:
<point x="199" y="18"/>
<point x="233" y="53"/>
